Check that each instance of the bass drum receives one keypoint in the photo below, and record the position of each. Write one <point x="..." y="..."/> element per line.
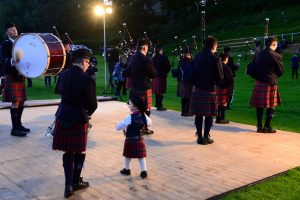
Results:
<point x="38" y="54"/>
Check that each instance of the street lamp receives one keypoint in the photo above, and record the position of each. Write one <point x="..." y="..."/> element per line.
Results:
<point x="102" y="10"/>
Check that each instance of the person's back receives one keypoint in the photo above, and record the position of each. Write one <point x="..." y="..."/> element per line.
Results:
<point x="207" y="71"/>
<point x="142" y="71"/>
<point x="269" y="66"/>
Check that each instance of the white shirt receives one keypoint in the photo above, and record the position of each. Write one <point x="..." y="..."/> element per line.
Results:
<point x="127" y="121"/>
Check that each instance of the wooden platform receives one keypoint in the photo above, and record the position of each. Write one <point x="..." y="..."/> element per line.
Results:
<point x="178" y="168"/>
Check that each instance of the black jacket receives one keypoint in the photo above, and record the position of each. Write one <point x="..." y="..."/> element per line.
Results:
<point x="141" y="71"/>
<point x="5" y="59"/>
<point x="161" y="65"/>
<point x="232" y="66"/>
<point x="228" y="77"/>
<point x="269" y="66"/>
<point x="78" y="96"/>
<point x="207" y="71"/>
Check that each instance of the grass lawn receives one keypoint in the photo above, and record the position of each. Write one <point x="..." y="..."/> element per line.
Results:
<point x="284" y="187"/>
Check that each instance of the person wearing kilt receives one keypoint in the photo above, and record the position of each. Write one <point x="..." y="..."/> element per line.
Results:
<point x="268" y="68"/>
<point x="185" y="82"/>
<point x="14" y="89"/>
<point x="134" y="146"/>
<point x="234" y="68"/>
<point x="223" y="89"/>
<point x="159" y="84"/>
<point x="78" y="103"/>
<point x="141" y="71"/>
<point x="207" y="71"/>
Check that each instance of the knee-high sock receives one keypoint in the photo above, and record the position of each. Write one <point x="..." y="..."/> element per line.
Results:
<point x="259" y="115"/>
<point x="143" y="164"/>
<point x="14" y="118"/>
<point x="223" y="109"/>
<point x="78" y="165"/>
<point x="208" y="124"/>
<point x="183" y="105"/>
<point x="269" y="117"/>
<point x="198" y="124"/>
<point x="127" y="162"/>
<point x="68" y="161"/>
<point x="20" y="112"/>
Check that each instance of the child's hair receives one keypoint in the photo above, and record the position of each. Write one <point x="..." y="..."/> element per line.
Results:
<point x="139" y="103"/>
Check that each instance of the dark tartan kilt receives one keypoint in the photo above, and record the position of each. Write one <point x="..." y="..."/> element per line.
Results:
<point x="203" y="103"/>
<point x="265" y="95"/>
<point x="230" y="90"/>
<point x="134" y="148"/>
<point x="72" y="139"/>
<point x="222" y="96"/>
<point x="145" y="95"/>
<point x="14" y="91"/>
<point x="185" y="90"/>
<point x="159" y="86"/>
<point x="128" y="83"/>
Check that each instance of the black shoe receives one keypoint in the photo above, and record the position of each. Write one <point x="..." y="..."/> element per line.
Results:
<point x="161" y="108"/>
<point x="17" y="133"/>
<point x="218" y="121"/>
<point x="223" y="121"/>
<point x="147" y="132"/>
<point x="144" y="174"/>
<point x="80" y="185"/>
<point x="207" y="141"/>
<point x="200" y="140"/>
<point x="187" y="114"/>
<point x="68" y="191"/>
<point x="259" y="130"/>
<point x="23" y="129"/>
<point x="268" y="130"/>
<point x="125" y="172"/>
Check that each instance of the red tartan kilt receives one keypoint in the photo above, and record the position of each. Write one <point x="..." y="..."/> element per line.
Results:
<point x="222" y="96"/>
<point x="72" y="139"/>
<point x="265" y="95"/>
<point x="185" y="90"/>
<point x="159" y="86"/>
<point x="145" y="95"/>
<point x="134" y="148"/>
<point x="203" y="103"/>
<point x="14" y="91"/>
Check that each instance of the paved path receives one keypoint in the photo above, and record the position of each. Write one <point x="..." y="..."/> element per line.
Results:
<point x="178" y="168"/>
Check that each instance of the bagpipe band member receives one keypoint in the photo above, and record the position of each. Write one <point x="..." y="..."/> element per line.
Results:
<point x="268" y="68"/>
<point x="185" y="81"/>
<point x="78" y="103"/>
<point x="141" y="71"/>
<point x="207" y="71"/>
<point x="223" y="89"/>
<point x="14" y="90"/>
<point x="233" y="67"/>
<point x="159" y="84"/>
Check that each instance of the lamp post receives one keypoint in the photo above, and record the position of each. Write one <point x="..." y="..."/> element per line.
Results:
<point x="102" y="10"/>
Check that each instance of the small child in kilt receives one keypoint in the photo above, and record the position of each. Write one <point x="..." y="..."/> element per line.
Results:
<point x="134" y="146"/>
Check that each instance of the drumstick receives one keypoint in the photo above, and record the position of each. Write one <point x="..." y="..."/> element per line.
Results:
<point x="67" y="35"/>
<point x="54" y="27"/>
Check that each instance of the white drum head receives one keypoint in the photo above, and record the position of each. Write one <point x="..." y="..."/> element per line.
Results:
<point x="32" y="53"/>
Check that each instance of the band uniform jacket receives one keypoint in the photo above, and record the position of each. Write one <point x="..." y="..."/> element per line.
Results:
<point x="207" y="71"/>
<point x="5" y="58"/>
<point x="141" y="71"/>
<point x="269" y="66"/>
<point x="161" y="65"/>
<point x="78" y="96"/>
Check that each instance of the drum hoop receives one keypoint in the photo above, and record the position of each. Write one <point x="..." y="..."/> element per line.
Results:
<point x="47" y="49"/>
<point x="13" y="56"/>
